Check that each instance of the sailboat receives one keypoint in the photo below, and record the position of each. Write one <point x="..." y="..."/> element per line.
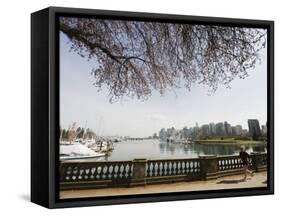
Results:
<point x="73" y="149"/>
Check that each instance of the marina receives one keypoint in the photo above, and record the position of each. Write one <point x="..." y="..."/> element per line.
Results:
<point x="157" y="149"/>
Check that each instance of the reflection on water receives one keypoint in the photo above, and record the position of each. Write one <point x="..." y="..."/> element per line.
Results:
<point x="155" y="149"/>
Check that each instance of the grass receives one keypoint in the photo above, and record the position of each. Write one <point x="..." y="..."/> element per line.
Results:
<point x="230" y="141"/>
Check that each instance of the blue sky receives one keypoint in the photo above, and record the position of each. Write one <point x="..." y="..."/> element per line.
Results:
<point x="81" y="102"/>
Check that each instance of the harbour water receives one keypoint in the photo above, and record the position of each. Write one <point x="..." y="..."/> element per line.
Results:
<point x="156" y="149"/>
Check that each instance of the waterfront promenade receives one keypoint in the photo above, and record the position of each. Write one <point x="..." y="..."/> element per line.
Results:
<point x="228" y="182"/>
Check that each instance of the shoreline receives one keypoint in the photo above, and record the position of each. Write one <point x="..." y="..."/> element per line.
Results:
<point x="231" y="142"/>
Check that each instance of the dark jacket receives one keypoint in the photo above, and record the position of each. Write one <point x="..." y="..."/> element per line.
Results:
<point x="244" y="156"/>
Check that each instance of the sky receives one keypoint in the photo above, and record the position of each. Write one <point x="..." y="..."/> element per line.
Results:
<point x="81" y="102"/>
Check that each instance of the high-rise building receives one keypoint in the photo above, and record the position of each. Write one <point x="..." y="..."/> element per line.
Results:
<point x="162" y="134"/>
<point x="171" y="132"/>
<point x="185" y="132"/>
<point x="227" y="127"/>
<point x="237" y="130"/>
<point x="233" y="130"/>
<point x="205" y="129"/>
<point x="220" y="129"/>
<point x="254" y="127"/>
<point x="212" y="127"/>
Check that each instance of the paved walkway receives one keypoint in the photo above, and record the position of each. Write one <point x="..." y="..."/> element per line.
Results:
<point x="229" y="182"/>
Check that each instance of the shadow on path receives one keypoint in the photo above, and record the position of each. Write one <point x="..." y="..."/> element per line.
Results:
<point x="230" y="181"/>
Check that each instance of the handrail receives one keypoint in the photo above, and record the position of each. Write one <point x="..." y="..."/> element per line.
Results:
<point x="76" y="174"/>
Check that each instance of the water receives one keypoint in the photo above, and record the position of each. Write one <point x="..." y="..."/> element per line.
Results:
<point x="155" y="149"/>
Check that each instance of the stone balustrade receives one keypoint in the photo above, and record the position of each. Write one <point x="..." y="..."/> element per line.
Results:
<point x="78" y="175"/>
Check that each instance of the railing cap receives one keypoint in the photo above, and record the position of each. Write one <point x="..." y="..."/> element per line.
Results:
<point x="257" y="153"/>
<point x="207" y="156"/>
<point x="140" y="160"/>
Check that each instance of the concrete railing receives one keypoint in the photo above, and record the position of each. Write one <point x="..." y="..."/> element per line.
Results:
<point x="78" y="175"/>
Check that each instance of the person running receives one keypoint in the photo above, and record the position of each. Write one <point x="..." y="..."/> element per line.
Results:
<point x="244" y="156"/>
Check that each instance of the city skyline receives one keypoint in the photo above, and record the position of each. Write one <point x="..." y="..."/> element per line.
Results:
<point x="186" y="126"/>
<point x="82" y="102"/>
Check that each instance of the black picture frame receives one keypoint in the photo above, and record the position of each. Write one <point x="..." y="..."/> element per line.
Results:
<point x="45" y="110"/>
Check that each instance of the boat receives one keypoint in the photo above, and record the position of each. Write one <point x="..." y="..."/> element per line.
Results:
<point x="81" y="157"/>
<point x="103" y="146"/>
<point x="89" y="142"/>
<point x="117" y="140"/>
<point x="77" y="151"/>
<point x="170" y="140"/>
<point x="187" y="141"/>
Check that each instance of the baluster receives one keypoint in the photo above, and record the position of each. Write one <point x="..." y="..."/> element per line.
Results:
<point x="163" y="168"/>
<point x="87" y="171"/>
<point x="75" y="173"/>
<point x="115" y="169"/>
<point x="105" y="172"/>
<point x="126" y="171"/>
<point x="182" y="167"/>
<point x="131" y="172"/>
<point x="97" y="172"/>
<point x="179" y="167"/>
<point x="160" y="168"/>
<point x="176" y="167"/>
<point x="93" y="173"/>
<point x="148" y="169"/>
<point x="187" y="167"/>
<point x="170" y="168"/>
<point x="152" y="169"/>
<point x="225" y="164"/>
<point x="195" y="166"/>
<point x="122" y="171"/>
<point x="156" y="169"/>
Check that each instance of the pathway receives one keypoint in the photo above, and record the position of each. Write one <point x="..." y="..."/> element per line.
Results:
<point x="229" y="182"/>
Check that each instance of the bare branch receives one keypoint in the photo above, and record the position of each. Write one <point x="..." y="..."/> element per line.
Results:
<point x="135" y="58"/>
